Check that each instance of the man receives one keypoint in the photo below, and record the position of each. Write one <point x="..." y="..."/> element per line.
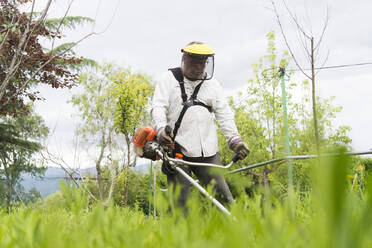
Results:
<point x="184" y="103"/>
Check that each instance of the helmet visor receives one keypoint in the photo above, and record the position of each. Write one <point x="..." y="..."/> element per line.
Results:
<point x="196" y="67"/>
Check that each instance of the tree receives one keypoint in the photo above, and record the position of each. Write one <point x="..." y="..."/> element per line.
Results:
<point x="98" y="103"/>
<point x="96" y="106"/>
<point x="259" y="118"/>
<point x="133" y="93"/>
<point x="24" y="62"/>
<point x="311" y="48"/>
<point x="17" y="151"/>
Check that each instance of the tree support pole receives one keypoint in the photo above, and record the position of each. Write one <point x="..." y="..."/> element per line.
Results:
<point x="286" y="132"/>
<point x="150" y="189"/>
<point x="154" y="189"/>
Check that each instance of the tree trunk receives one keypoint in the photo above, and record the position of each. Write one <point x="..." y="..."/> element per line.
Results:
<point x="98" y="168"/>
<point x="265" y="174"/>
<point x="9" y="195"/>
<point x="314" y="97"/>
<point x="99" y="180"/>
<point x="126" y="186"/>
<point x="127" y="140"/>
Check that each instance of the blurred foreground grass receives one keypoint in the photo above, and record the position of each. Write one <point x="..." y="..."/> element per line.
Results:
<point x="331" y="215"/>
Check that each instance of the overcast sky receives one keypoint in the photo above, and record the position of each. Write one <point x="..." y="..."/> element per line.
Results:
<point x="148" y="36"/>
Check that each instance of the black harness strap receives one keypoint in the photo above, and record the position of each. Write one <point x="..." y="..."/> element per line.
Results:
<point x="177" y="73"/>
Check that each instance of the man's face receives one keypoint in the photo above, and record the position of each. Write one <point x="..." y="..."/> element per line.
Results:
<point x="193" y="67"/>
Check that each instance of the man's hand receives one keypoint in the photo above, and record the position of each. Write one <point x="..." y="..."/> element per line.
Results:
<point x="240" y="148"/>
<point x="165" y="136"/>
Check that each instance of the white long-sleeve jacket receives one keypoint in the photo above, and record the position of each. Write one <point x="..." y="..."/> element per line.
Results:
<point x="197" y="134"/>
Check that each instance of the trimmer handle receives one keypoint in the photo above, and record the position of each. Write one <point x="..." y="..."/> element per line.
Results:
<point x="235" y="158"/>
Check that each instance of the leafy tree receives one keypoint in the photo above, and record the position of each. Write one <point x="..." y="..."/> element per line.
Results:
<point x="104" y="89"/>
<point x="132" y="92"/>
<point x="96" y="106"/>
<point x="2" y="192"/>
<point x="24" y="135"/>
<point x="24" y="62"/>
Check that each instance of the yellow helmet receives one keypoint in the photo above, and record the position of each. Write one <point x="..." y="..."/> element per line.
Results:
<point x="197" y="61"/>
<point x="198" y="48"/>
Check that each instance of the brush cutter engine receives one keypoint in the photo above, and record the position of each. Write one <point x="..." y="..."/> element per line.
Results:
<point x="150" y="150"/>
<point x="145" y="144"/>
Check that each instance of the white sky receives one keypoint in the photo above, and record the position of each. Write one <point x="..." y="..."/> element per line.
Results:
<point x="148" y="36"/>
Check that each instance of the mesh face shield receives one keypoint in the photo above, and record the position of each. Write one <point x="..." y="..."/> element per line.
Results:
<point x="197" y="67"/>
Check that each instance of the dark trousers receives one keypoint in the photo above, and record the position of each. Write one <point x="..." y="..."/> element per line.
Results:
<point x="205" y="176"/>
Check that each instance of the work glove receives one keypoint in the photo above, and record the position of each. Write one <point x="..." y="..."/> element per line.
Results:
<point x="239" y="147"/>
<point x="165" y="137"/>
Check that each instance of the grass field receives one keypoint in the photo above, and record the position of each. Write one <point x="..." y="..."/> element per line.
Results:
<point x="331" y="215"/>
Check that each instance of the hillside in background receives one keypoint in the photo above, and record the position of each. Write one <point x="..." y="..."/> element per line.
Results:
<point x="50" y="182"/>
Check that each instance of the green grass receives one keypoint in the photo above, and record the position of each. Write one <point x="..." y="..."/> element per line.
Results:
<point x="332" y="215"/>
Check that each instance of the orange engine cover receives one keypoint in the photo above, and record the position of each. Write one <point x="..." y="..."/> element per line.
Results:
<point x="143" y="135"/>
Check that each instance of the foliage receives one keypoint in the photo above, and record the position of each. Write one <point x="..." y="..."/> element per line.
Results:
<point x="24" y="61"/>
<point x="18" y="145"/>
<point x="104" y="89"/>
<point x="96" y="110"/>
<point x="138" y="191"/>
<point x="68" y="22"/>
<point x="330" y="216"/>
<point x="95" y="103"/>
<point x="132" y="92"/>
<point x="136" y="196"/>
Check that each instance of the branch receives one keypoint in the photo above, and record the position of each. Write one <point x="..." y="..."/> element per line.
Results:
<point x="8" y="30"/>
<point x="252" y="173"/>
<point x="275" y="166"/>
<point x="64" y="166"/>
<point x="60" y="24"/>
<point x="37" y="23"/>
<point x="86" y="188"/>
<point x="325" y="60"/>
<point x="113" y="179"/>
<point x="323" y="30"/>
<point x="112" y="19"/>
<point x="19" y="196"/>
<point x="14" y="64"/>
<point x="294" y="18"/>
<point x="303" y="42"/>
<point x="38" y="70"/>
<point x="286" y="42"/>
<point x="43" y="14"/>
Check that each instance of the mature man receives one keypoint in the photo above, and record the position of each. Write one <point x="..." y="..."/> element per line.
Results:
<point x="187" y="99"/>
